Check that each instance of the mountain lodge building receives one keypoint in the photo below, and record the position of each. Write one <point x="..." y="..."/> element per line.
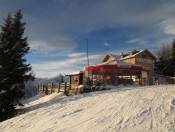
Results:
<point x="143" y="57"/>
<point x="135" y="67"/>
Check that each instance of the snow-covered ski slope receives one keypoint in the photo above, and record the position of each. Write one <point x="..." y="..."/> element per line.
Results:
<point x="129" y="109"/>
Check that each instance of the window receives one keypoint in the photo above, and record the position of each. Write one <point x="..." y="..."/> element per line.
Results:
<point x="75" y="79"/>
<point x="144" y="56"/>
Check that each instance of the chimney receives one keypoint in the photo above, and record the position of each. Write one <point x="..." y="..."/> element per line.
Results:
<point x="121" y="55"/>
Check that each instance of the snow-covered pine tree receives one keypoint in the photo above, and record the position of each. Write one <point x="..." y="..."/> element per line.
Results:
<point x="14" y="70"/>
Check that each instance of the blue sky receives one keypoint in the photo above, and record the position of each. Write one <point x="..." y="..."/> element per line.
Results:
<point x="57" y="30"/>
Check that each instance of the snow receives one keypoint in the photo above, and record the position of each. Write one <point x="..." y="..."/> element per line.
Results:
<point x="123" y="109"/>
<point x="129" y="56"/>
<point x="73" y="73"/>
<point x="118" y="63"/>
<point x="114" y="62"/>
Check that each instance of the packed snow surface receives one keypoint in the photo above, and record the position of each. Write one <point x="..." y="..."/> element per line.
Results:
<point x="127" y="109"/>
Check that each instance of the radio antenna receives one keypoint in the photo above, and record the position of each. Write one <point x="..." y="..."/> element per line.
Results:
<point x="87" y="45"/>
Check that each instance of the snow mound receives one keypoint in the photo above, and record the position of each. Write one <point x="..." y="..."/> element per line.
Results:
<point x="36" y="97"/>
<point x="121" y="109"/>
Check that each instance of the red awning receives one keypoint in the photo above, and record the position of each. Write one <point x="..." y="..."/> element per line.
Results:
<point x="116" y="67"/>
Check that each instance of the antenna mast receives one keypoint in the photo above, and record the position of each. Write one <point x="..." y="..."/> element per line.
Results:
<point x="87" y="52"/>
<point x="88" y="79"/>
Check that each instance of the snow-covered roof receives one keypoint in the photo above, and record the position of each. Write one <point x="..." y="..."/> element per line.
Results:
<point x="74" y="73"/>
<point x="114" y="62"/>
<point x="130" y="56"/>
<point x="117" y="62"/>
<point x="115" y="57"/>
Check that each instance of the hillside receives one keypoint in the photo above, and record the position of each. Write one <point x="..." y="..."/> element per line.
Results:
<point x="149" y="108"/>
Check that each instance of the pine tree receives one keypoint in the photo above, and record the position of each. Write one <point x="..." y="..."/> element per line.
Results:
<point x="5" y="38"/>
<point x="14" y="70"/>
<point x="61" y="79"/>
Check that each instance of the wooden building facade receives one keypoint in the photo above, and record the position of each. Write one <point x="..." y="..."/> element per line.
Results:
<point x="135" y="67"/>
<point x="143" y="57"/>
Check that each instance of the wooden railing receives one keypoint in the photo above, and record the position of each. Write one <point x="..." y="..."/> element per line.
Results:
<point x="57" y="87"/>
<point x="53" y="87"/>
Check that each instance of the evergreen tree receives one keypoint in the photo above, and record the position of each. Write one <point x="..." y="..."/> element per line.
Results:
<point x="14" y="70"/>
<point x="61" y="79"/>
<point x="162" y="67"/>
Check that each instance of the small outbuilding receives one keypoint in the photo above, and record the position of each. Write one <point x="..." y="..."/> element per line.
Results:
<point x="160" y="79"/>
<point x="76" y="79"/>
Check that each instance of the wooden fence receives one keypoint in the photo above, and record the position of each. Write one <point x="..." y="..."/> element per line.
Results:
<point x="57" y="87"/>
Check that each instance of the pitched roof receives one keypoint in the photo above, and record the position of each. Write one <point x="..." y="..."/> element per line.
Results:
<point x="73" y="73"/>
<point x="114" y="62"/>
<point x="115" y="57"/>
<point x="135" y="53"/>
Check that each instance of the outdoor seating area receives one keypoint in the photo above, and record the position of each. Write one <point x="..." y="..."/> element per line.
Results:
<point x="115" y="73"/>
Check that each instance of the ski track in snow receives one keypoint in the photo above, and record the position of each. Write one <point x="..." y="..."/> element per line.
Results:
<point x="147" y="108"/>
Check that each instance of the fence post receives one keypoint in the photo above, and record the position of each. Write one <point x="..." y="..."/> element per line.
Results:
<point x="41" y="88"/>
<point x="65" y="85"/>
<point x="38" y="89"/>
<point x="52" y="87"/>
<point x="59" y="87"/>
<point x="47" y="91"/>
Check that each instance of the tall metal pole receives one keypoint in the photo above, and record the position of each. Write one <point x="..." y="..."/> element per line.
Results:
<point x="88" y="79"/>
<point x="87" y="52"/>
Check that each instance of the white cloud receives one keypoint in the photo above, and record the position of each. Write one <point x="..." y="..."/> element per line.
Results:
<point x="168" y="26"/>
<point x="137" y="41"/>
<point x="56" y="28"/>
<point x="52" y="73"/>
<point x="53" y="43"/>
<point x="82" y="54"/>
<point x="71" y="64"/>
<point x="67" y="63"/>
<point x="106" y="44"/>
<point x="87" y="16"/>
<point x="82" y="17"/>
